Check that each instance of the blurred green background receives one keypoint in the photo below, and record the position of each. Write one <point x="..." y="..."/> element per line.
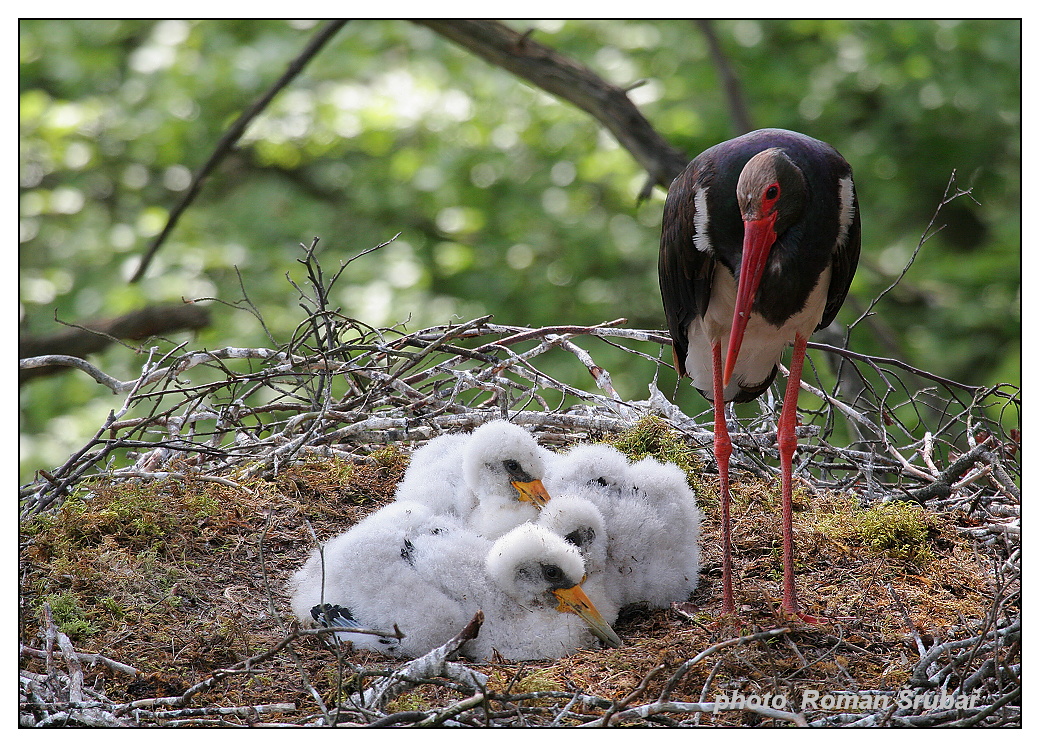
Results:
<point x="507" y="200"/>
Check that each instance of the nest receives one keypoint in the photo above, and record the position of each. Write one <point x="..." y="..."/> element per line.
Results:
<point x="153" y="562"/>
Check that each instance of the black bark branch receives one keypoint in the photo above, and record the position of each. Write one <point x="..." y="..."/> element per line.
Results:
<point x="738" y="110"/>
<point x="87" y="338"/>
<point x="572" y="82"/>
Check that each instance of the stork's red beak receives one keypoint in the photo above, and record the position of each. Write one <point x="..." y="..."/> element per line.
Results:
<point x="758" y="240"/>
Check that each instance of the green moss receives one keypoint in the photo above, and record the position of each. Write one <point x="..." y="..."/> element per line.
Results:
<point x="897" y="530"/>
<point x="104" y="556"/>
<point x="69" y="615"/>
<point x="136" y="516"/>
<point x="112" y="606"/>
<point x="391" y="457"/>
<point x="412" y="700"/>
<point x="653" y="437"/>
<point x="537" y="682"/>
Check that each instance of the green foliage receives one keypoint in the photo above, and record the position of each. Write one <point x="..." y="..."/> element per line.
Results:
<point x="507" y="200"/>
<point x="391" y="457"/>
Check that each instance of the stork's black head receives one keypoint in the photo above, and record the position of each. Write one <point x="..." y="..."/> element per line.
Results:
<point x="771" y="185"/>
<point x="771" y="193"/>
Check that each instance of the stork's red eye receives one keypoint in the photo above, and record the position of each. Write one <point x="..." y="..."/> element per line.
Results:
<point x="772" y="192"/>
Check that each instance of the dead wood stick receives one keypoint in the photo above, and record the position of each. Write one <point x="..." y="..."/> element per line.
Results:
<point x="427" y="666"/>
<point x="89" y="659"/>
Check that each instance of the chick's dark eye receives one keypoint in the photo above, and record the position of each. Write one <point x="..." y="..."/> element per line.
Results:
<point x="512" y="465"/>
<point x="552" y="573"/>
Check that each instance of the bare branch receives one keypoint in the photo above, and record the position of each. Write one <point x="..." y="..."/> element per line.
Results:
<point x="434" y="664"/>
<point x="571" y="81"/>
<point x="738" y="110"/>
<point x="86" y="338"/>
<point x="53" y="362"/>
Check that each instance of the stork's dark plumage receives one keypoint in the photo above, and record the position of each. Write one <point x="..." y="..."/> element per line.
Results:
<point x="759" y="242"/>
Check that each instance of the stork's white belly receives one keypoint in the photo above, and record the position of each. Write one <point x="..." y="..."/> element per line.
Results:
<point x="763" y="342"/>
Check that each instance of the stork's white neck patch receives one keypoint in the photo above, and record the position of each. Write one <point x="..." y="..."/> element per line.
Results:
<point x="700" y="220"/>
<point x="846" y="204"/>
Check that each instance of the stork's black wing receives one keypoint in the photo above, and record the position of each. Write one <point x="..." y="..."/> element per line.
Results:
<point x="685" y="271"/>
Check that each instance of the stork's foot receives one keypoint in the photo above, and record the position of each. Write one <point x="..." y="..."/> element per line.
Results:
<point x="802" y="617"/>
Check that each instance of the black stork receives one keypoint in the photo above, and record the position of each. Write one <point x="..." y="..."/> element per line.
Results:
<point x="759" y="242"/>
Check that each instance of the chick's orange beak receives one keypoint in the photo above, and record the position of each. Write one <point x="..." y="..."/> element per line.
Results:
<point x="575" y="601"/>
<point x="532" y="492"/>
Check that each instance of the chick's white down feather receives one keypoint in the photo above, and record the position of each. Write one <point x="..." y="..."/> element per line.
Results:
<point x="472" y="476"/>
<point x="651" y="517"/>
<point x="429" y="574"/>
<point x="574" y="517"/>
<point x="371" y="570"/>
<point x="594" y="466"/>
<point x="521" y="614"/>
<point x="439" y="460"/>
<point x="665" y="486"/>
<point x="458" y="538"/>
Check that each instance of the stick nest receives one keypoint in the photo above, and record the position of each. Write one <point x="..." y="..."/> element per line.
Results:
<point x="153" y="562"/>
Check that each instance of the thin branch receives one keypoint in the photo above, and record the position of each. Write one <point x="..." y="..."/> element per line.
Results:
<point x="228" y="140"/>
<point x="928" y="233"/>
<point x="68" y="361"/>
<point x="91" y="660"/>
<point x="738" y="110"/>
<point x="434" y="664"/>
<point x="87" y="338"/>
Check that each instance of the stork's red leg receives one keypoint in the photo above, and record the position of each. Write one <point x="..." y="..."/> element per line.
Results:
<point x="787" y="441"/>
<point x="723" y="449"/>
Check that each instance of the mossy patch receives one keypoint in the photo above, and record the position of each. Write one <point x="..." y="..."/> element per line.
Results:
<point x="896" y="530"/>
<point x="136" y="516"/>
<point x="128" y="554"/>
<point x="70" y="615"/>
<point x="653" y="437"/>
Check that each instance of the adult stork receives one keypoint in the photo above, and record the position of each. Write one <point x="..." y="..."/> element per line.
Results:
<point x="759" y="242"/>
